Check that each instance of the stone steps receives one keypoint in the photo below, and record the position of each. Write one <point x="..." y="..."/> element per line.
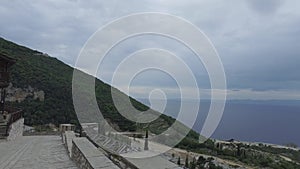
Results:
<point x="112" y="144"/>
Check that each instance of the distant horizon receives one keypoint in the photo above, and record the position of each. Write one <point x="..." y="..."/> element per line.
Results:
<point x="251" y="121"/>
<point x="206" y="99"/>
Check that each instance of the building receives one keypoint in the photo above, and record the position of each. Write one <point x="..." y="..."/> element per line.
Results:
<point x="9" y="117"/>
<point x="66" y="127"/>
<point x="5" y="63"/>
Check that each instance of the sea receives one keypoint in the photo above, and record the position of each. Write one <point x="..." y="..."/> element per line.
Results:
<point x="267" y="121"/>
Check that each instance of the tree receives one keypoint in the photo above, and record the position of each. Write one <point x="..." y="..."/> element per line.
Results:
<point x="193" y="163"/>
<point x="238" y="153"/>
<point x="187" y="161"/>
<point x="292" y="145"/>
<point x="178" y="161"/>
<point x="201" y="160"/>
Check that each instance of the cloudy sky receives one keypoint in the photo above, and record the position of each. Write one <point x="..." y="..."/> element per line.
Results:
<point x="258" y="40"/>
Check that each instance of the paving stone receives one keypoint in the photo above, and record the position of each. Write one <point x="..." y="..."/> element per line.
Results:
<point x="35" y="152"/>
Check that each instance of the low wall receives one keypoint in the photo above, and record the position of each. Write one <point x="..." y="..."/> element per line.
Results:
<point x="16" y="130"/>
<point x="87" y="156"/>
<point x="67" y="138"/>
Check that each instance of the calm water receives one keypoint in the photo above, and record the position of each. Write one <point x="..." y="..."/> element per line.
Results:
<point x="262" y="121"/>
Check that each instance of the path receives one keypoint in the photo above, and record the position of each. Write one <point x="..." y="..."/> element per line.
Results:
<point x="35" y="152"/>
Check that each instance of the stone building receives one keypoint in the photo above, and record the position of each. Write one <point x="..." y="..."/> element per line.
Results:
<point x="11" y="121"/>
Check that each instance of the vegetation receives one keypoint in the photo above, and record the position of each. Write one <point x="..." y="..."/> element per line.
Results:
<point x="261" y="156"/>
<point x="178" y="161"/>
<point x="52" y="76"/>
<point x="203" y="162"/>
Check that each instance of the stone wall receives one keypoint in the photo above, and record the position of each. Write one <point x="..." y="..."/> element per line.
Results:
<point x="67" y="138"/>
<point x="87" y="156"/>
<point x="16" y="130"/>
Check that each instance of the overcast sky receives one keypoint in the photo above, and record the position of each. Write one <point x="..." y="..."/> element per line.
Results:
<point x="258" y="40"/>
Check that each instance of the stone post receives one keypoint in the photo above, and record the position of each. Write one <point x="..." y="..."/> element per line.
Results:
<point x="146" y="147"/>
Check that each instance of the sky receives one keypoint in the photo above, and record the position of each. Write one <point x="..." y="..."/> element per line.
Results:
<point x="258" y="41"/>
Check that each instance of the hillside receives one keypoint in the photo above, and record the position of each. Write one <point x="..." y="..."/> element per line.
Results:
<point x="42" y="88"/>
<point x="37" y="72"/>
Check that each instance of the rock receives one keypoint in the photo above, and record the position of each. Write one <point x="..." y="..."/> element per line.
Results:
<point x="20" y="94"/>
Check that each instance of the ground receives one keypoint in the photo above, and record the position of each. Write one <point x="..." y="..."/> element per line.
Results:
<point x="35" y="152"/>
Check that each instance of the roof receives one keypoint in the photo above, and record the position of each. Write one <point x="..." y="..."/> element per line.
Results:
<point x="67" y="125"/>
<point x="8" y="59"/>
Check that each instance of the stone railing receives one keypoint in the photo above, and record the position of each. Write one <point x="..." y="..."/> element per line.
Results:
<point x="87" y="156"/>
<point x="117" y="158"/>
<point x="14" y="115"/>
<point x="67" y="138"/>
<point x="15" y="129"/>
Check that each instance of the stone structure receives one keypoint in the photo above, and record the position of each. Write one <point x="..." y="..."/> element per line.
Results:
<point x="114" y="142"/>
<point x="67" y="138"/>
<point x="66" y="127"/>
<point x="5" y="63"/>
<point x="87" y="156"/>
<point x="11" y="121"/>
<point x="128" y="156"/>
<point x="16" y="130"/>
<point x="15" y="94"/>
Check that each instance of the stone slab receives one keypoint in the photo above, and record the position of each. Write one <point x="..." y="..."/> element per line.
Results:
<point x="94" y="156"/>
<point x="153" y="162"/>
<point x="68" y="136"/>
<point x="87" y="148"/>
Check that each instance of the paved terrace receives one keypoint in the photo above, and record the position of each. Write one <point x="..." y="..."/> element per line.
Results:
<point x="35" y="152"/>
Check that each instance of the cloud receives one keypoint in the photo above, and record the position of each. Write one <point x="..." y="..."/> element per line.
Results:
<point x="258" y="40"/>
<point x="263" y="95"/>
<point x="143" y="92"/>
<point x="265" y="6"/>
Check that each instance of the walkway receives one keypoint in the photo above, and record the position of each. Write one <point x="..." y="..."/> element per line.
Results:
<point x="35" y="152"/>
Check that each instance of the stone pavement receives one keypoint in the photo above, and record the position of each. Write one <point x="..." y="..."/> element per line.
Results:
<point x="35" y="152"/>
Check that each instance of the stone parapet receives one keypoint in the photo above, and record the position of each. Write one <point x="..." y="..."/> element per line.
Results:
<point x="87" y="156"/>
<point x="16" y="130"/>
<point x="68" y="137"/>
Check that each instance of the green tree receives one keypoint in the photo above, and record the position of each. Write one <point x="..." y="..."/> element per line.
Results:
<point x="178" y="161"/>
<point x="187" y="161"/>
<point x="193" y="163"/>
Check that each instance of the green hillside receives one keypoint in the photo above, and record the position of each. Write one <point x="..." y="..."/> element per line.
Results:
<point x="52" y="76"/>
